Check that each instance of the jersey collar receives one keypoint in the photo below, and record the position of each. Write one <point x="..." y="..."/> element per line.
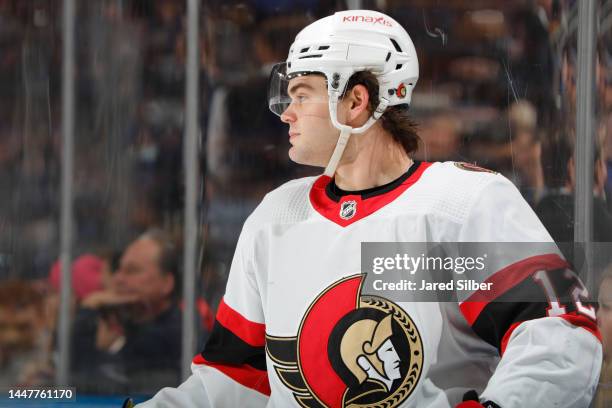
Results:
<point x="347" y="207"/>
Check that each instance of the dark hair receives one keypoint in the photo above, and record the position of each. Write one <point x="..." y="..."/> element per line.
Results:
<point x="395" y="120"/>
<point x="557" y="151"/>
<point x="168" y="256"/>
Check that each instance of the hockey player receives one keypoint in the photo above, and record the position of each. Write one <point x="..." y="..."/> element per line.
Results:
<point x="295" y="327"/>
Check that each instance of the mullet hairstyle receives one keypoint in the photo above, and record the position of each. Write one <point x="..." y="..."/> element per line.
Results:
<point x="395" y="120"/>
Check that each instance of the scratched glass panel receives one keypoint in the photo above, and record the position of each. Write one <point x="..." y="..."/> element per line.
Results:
<point x="129" y="90"/>
<point x="602" y="194"/>
<point x="497" y="87"/>
<point x="487" y="90"/>
<point x="246" y="145"/>
<point x="128" y="181"/>
<point x="556" y="205"/>
<point x="602" y="220"/>
<point x="30" y="68"/>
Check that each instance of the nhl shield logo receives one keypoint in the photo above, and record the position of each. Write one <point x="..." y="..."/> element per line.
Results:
<point x="348" y="209"/>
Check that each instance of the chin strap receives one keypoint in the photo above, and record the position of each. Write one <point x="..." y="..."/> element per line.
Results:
<point x="345" y="134"/>
<point x="346" y="131"/>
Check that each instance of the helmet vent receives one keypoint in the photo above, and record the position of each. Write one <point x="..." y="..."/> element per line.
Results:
<point x="398" y="66"/>
<point x="396" y="45"/>
<point x="388" y="56"/>
<point x="304" y="49"/>
<point x="311" y="56"/>
<point x="323" y="47"/>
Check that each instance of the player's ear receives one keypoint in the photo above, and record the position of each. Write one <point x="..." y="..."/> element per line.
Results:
<point x="358" y="98"/>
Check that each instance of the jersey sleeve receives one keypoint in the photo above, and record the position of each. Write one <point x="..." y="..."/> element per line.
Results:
<point x="547" y="338"/>
<point x="231" y="369"/>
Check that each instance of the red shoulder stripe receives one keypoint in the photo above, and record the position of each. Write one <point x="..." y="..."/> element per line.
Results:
<point x="505" y="279"/>
<point x="586" y="323"/>
<point x="250" y="332"/>
<point x="243" y="374"/>
<point x="506" y="338"/>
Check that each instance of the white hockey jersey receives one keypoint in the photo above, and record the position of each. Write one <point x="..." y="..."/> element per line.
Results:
<point x="294" y="328"/>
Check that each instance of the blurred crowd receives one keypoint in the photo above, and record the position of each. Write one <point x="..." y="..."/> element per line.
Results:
<point x="497" y="87"/>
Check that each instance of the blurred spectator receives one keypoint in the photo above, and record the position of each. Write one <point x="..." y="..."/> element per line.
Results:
<point x="514" y="149"/>
<point x="441" y="138"/>
<point x="87" y="272"/>
<point x="131" y="330"/>
<point x="606" y="137"/>
<point x="86" y="276"/>
<point x="556" y="210"/>
<point x="531" y="54"/>
<point x="23" y="338"/>
<point x="526" y="150"/>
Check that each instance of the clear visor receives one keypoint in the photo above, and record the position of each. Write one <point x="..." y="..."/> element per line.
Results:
<point x="281" y="95"/>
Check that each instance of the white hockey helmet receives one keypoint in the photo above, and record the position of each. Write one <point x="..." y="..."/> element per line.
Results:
<point x="340" y="45"/>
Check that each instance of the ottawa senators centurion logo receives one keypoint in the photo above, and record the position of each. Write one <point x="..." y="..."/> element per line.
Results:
<point x="350" y="351"/>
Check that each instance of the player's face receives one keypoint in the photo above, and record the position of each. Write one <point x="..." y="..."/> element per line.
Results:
<point x="604" y="315"/>
<point x="311" y="133"/>
<point x="391" y="361"/>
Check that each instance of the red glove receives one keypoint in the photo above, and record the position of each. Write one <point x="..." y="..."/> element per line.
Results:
<point x="470" y="400"/>
<point x="470" y="404"/>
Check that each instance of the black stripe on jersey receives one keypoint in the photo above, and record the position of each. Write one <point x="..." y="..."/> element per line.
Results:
<point x="498" y="316"/>
<point x="225" y="347"/>
<point x="308" y="401"/>
<point x="282" y="350"/>
<point x="335" y="193"/>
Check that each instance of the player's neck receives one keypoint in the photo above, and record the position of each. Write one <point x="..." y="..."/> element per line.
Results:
<point x="378" y="161"/>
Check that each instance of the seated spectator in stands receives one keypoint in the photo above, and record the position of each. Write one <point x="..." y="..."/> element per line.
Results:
<point x="23" y="337"/>
<point x="128" y="336"/>
<point x="606" y="137"/>
<point x="87" y="277"/>
<point x="526" y="150"/>
<point x="441" y="137"/>
<point x="556" y="209"/>
<point x="513" y="148"/>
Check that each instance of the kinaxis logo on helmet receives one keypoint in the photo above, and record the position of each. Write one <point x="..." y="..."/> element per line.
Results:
<point x="350" y="351"/>
<point x="368" y="19"/>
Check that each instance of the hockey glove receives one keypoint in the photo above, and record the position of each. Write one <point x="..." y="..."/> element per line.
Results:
<point x="470" y="400"/>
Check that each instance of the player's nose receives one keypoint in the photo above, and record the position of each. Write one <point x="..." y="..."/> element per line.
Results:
<point x="288" y="116"/>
